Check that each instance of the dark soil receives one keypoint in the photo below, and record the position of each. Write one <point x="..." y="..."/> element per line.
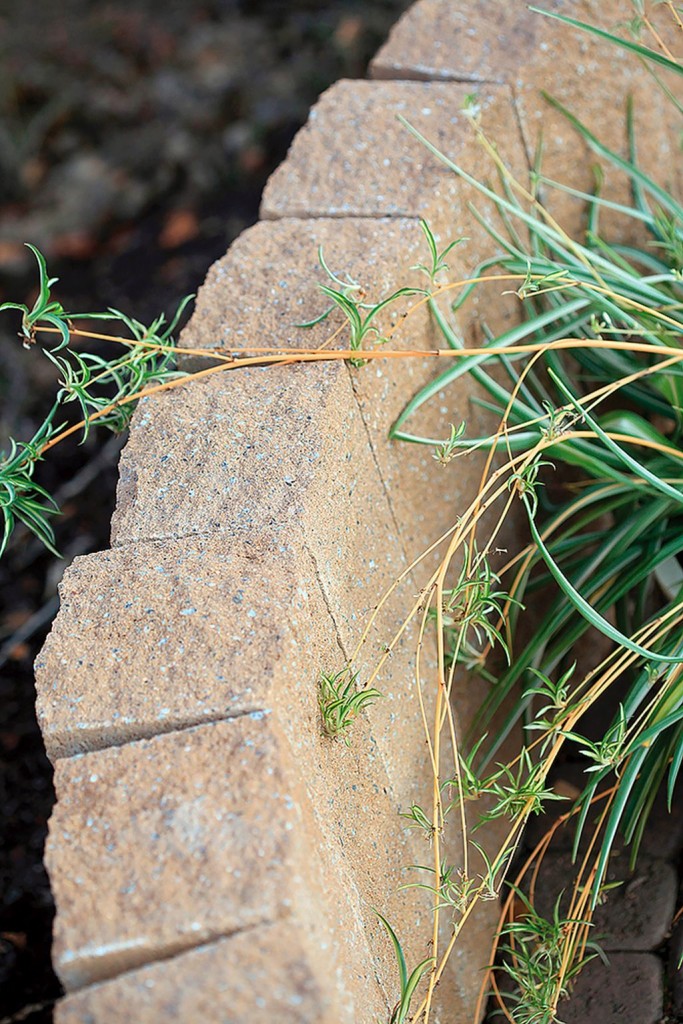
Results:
<point x="135" y="141"/>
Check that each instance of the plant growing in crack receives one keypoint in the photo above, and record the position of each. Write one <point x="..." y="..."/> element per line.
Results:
<point x="360" y="316"/>
<point x="341" y="701"/>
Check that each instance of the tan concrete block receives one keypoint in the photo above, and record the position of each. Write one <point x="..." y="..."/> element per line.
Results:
<point x="261" y="975"/>
<point x="195" y="834"/>
<point x="222" y="668"/>
<point x="145" y="667"/>
<point x="263" y="447"/>
<point x="266" y="448"/>
<point x="474" y="41"/>
<point x="209" y="831"/>
<point x="183" y="828"/>
<point x="303" y="455"/>
<point x="487" y="40"/>
<point x="355" y="159"/>
<point x="271" y="276"/>
<point x="154" y="637"/>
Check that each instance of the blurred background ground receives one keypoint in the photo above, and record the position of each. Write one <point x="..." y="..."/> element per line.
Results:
<point x="135" y="141"/>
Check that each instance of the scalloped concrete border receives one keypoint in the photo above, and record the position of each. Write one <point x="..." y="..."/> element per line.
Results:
<point x="213" y="857"/>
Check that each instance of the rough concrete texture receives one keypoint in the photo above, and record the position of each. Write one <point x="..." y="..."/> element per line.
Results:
<point x="291" y="441"/>
<point x="204" y="615"/>
<point x="205" y="832"/>
<point x="354" y="158"/>
<point x="196" y="833"/>
<point x="628" y="990"/>
<point x="222" y="629"/>
<point x="260" y="975"/>
<point x="273" y="275"/>
<point x="486" y="41"/>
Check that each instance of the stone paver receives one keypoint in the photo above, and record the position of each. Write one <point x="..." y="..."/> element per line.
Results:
<point x="488" y="41"/>
<point x="628" y="990"/>
<point x="636" y="916"/>
<point x="205" y="616"/>
<point x="262" y="975"/>
<point x="272" y="274"/>
<point x="675" y="972"/>
<point x="663" y="836"/>
<point x="355" y="159"/>
<point x="198" y="834"/>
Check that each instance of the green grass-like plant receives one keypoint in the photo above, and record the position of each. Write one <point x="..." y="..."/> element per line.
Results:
<point x="407" y="982"/>
<point x="103" y="390"/>
<point x="341" y="701"/>
<point x="589" y="386"/>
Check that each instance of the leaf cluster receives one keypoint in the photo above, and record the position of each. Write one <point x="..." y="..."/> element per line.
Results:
<point x="533" y="957"/>
<point x="341" y="701"/>
<point x="102" y="390"/>
<point x="360" y="316"/>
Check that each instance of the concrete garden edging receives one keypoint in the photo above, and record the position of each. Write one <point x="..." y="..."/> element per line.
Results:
<point x="213" y="857"/>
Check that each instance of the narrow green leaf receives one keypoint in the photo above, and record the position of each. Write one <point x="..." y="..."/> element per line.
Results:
<point x="411" y="985"/>
<point x="44" y="290"/>
<point x="641" y="51"/>
<point x="675" y="768"/>
<point x="634" y="172"/>
<point x="61" y="326"/>
<point x="316" y="320"/>
<point x="637" y="467"/>
<point x="626" y="783"/>
<point x="584" y="607"/>
<point x="398" y="950"/>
